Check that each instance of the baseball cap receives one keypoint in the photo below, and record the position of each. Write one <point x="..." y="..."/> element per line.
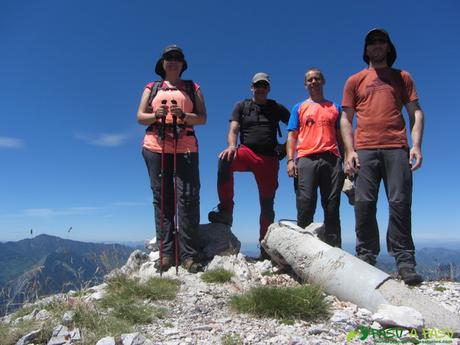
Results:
<point x="261" y="76"/>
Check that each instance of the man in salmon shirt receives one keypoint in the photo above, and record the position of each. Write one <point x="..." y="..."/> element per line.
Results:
<point x="380" y="150"/>
<point x="313" y="133"/>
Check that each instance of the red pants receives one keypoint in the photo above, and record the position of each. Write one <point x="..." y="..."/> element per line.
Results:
<point x="265" y="170"/>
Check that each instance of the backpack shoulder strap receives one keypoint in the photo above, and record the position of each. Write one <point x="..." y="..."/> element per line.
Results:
<point x="276" y="121"/>
<point x="190" y="90"/>
<point x="153" y="91"/>
<point x="247" y="107"/>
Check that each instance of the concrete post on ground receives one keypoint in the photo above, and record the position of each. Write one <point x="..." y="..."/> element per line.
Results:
<point x="347" y="277"/>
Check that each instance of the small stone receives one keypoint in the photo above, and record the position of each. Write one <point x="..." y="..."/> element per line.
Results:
<point x="170" y="332"/>
<point x="106" y="341"/>
<point x="202" y="328"/>
<point x="340" y="317"/>
<point x="42" y="315"/>
<point x="389" y="315"/>
<point x="68" y="317"/>
<point x="30" y="316"/>
<point x="28" y="338"/>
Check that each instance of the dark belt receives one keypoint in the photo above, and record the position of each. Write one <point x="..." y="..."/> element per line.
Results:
<point x="157" y="126"/>
<point x="324" y="154"/>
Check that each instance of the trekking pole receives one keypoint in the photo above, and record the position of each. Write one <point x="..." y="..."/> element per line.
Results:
<point x="162" y="190"/>
<point x="176" y="227"/>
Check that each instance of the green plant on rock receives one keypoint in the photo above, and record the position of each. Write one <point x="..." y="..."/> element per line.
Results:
<point x="267" y="273"/>
<point x="218" y="275"/>
<point x="231" y="339"/>
<point x="306" y="302"/>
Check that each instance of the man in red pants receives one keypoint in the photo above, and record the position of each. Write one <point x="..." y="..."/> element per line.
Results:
<point x="257" y="122"/>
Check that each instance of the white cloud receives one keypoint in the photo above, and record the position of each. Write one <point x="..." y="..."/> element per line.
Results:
<point x="81" y="210"/>
<point x="104" y="139"/>
<point x="11" y="143"/>
<point x="52" y="212"/>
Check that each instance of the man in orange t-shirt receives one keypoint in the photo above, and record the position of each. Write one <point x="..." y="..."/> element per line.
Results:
<point x="313" y="134"/>
<point x="380" y="150"/>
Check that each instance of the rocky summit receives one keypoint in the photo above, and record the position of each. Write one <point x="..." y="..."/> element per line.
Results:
<point x="200" y="313"/>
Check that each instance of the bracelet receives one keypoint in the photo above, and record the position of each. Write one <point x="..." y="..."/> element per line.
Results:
<point x="289" y="160"/>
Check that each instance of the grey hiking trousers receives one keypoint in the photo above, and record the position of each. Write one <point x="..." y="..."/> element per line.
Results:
<point x="391" y="166"/>
<point x="323" y="170"/>
<point x="188" y="201"/>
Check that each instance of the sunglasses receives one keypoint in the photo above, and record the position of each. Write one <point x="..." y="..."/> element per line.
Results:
<point x="377" y="40"/>
<point x="178" y="58"/>
<point x="313" y="79"/>
<point x="260" y="85"/>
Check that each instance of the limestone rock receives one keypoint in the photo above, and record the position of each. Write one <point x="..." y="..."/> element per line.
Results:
<point x="28" y="338"/>
<point x="42" y="315"/>
<point x="96" y="292"/>
<point x="68" y="317"/>
<point x="132" y="266"/>
<point x="236" y="264"/>
<point x="106" y="341"/>
<point x="135" y="339"/>
<point x="62" y="335"/>
<point x="393" y="316"/>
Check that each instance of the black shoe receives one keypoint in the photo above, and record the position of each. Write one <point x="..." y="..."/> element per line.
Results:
<point x="221" y="216"/>
<point x="409" y="276"/>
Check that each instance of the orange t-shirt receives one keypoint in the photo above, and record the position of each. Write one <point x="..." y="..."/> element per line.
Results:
<point x="316" y="124"/>
<point x="186" y="142"/>
<point x="377" y="96"/>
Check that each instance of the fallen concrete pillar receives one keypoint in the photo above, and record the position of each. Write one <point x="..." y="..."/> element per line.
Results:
<point x="347" y="277"/>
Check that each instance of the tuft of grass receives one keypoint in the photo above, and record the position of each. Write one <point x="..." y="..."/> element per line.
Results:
<point x="287" y="322"/>
<point x="125" y="298"/>
<point x="439" y="288"/>
<point x="231" y="339"/>
<point x="22" y="312"/>
<point x="267" y="273"/>
<point x="154" y="289"/>
<point x="94" y="325"/>
<point x="218" y="275"/>
<point x="306" y="302"/>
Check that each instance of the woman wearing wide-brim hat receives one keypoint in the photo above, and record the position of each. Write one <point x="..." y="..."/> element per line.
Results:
<point x="182" y="99"/>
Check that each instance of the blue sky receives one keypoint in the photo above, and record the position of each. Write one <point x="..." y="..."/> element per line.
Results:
<point x="72" y="73"/>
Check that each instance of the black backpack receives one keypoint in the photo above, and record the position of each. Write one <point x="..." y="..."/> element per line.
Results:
<point x="247" y="108"/>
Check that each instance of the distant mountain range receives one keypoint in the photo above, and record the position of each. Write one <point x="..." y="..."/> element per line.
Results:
<point x="432" y="263"/>
<point x="47" y="265"/>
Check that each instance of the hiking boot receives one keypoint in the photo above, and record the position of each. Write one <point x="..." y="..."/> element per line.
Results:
<point x="192" y="266"/>
<point x="166" y="263"/>
<point x="221" y="216"/>
<point x="409" y="276"/>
